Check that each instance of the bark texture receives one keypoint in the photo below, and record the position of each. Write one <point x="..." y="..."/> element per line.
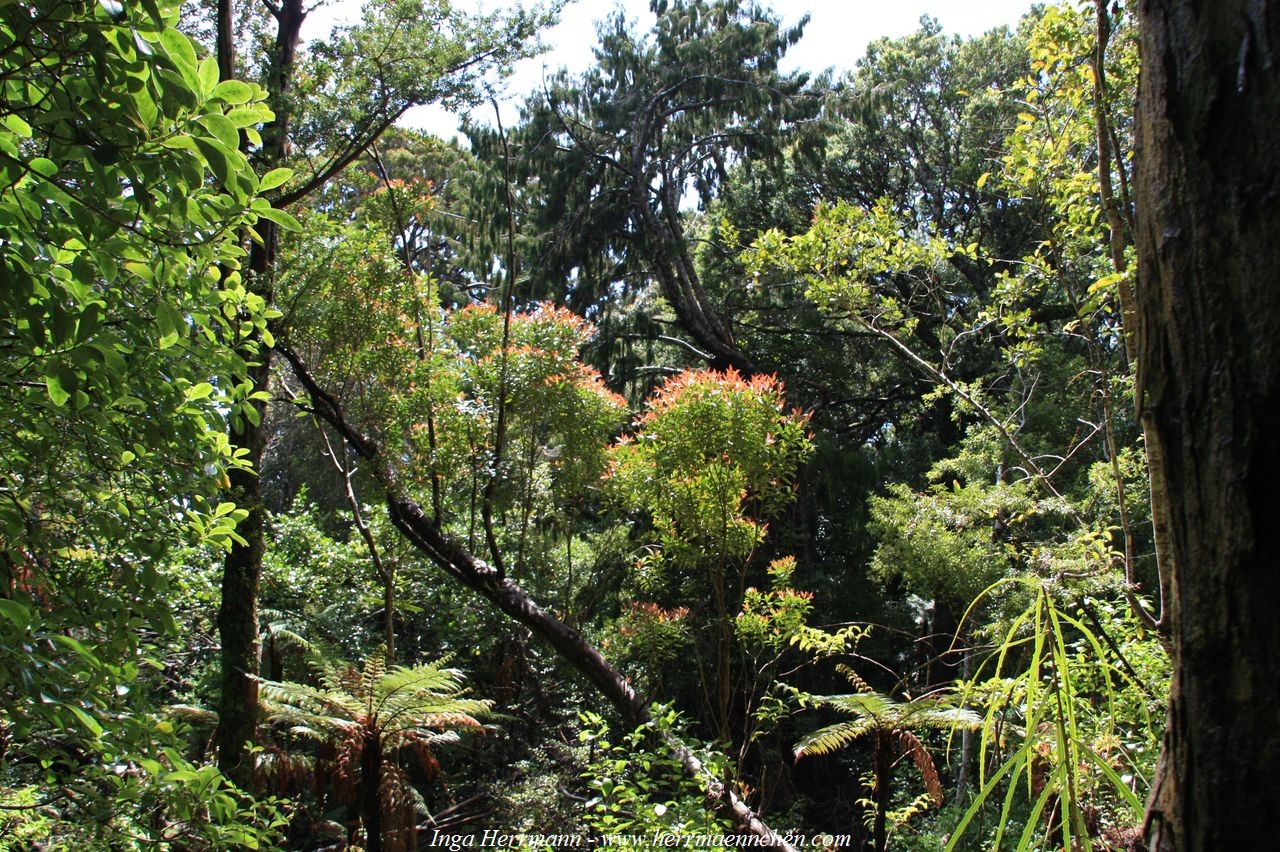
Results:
<point x="371" y="790"/>
<point x="238" y="609"/>
<point x="1208" y="339"/>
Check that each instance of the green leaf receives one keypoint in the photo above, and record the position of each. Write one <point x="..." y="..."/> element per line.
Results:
<point x="207" y="75"/>
<point x="86" y="720"/>
<point x="81" y="649"/>
<point x="19" y="614"/>
<point x="169" y="323"/>
<point x="181" y="51"/>
<point x="18" y="126"/>
<point x="274" y="178"/>
<point x="220" y="159"/>
<point x="57" y="393"/>
<point x="222" y="128"/>
<point x="281" y="218"/>
<point x="43" y="166"/>
<point x="184" y="142"/>
<point x="246" y="116"/>
<point x="233" y="92"/>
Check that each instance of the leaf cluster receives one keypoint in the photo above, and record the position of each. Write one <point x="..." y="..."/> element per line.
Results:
<point x="122" y="186"/>
<point x="713" y="456"/>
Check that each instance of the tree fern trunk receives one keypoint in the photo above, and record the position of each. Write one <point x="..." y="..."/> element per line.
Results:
<point x="883" y="763"/>
<point x="370" y="791"/>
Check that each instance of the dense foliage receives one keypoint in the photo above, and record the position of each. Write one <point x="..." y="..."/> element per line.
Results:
<point x="732" y="385"/>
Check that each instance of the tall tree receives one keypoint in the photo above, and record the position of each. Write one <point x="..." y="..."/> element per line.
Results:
<point x="623" y="149"/>
<point x="926" y="118"/>
<point x="357" y="84"/>
<point x="1209" y="375"/>
<point x="124" y="322"/>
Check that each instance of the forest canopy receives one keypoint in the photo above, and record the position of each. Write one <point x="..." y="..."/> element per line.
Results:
<point x="717" y="451"/>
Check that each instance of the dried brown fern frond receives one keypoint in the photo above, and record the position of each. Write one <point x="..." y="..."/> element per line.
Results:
<point x="401" y="806"/>
<point x="910" y="744"/>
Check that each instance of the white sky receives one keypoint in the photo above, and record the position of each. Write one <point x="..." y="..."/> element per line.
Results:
<point x="837" y="36"/>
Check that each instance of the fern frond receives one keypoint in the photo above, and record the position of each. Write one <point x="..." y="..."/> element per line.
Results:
<point x="283" y="769"/>
<point x="399" y="807"/>
<point x="833" y="737"/>
<point x="420" y="740"/>
<point x="375" y="666"/>
<point x="316" y="726"/>
<point x="410" y="711"/>
<point x="875" y="711"/>
<point x="286" y="637"/>
<point x="192" y="713"/>
<point x="854" y="678"/>
<point x="939" y="715"/>
<point x="345" y="679"/>
<point x="296" y="703"/>
<point x="911" y="745"/>
<point x="875" y="705"/>
<point x="426" y="678"/>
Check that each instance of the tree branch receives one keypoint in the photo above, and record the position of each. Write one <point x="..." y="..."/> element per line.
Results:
<point x="456" y="561"/>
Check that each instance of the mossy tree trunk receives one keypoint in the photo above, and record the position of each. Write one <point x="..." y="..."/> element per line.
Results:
<point x="242" y="569"/>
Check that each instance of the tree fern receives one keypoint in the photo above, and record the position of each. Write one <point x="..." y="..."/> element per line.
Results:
<point x="891" y="725"/>
<point x="370" y="714"/>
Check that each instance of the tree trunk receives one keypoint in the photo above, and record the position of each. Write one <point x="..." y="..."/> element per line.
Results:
<point x="370" y="791"/>
<point x="1208" y="329"/>
<point x="241" y="571"/>
<point x="667" y="247"/>
<point x="944" y="646"/>
<point x="883" y="760"/>
<point x="238" y="610"/>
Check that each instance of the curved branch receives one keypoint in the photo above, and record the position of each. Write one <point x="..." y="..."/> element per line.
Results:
<point x="459" y="563"/>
